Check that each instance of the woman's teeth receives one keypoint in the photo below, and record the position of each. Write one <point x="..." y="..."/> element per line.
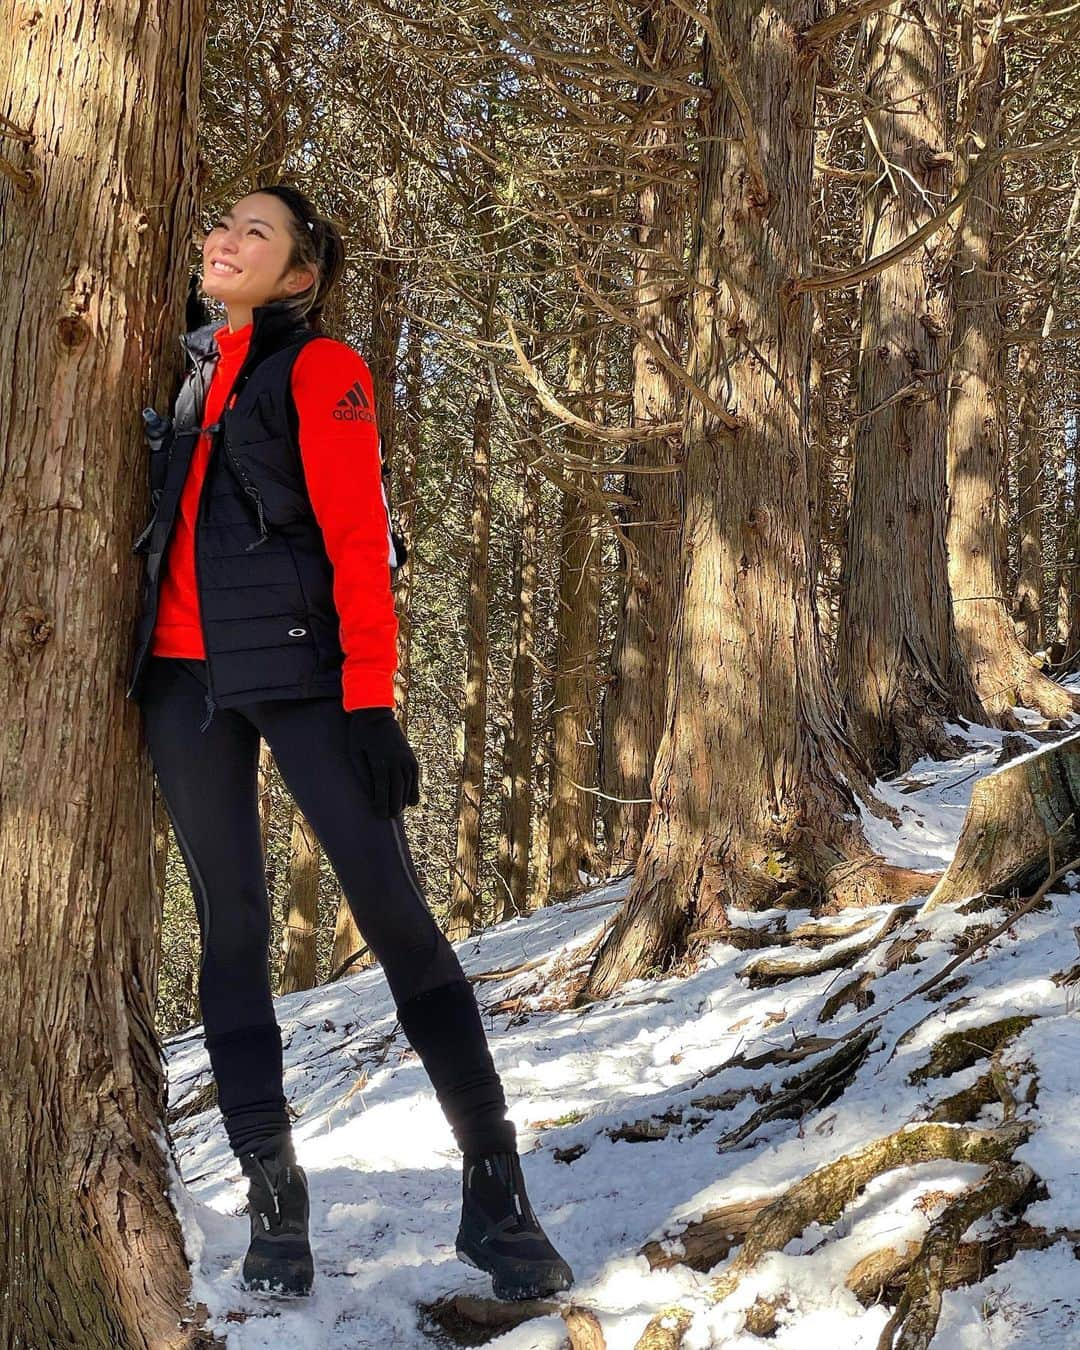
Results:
<point x="223" y="267"/>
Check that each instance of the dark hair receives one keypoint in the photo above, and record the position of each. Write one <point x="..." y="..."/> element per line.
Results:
<point x="314" y="240"/>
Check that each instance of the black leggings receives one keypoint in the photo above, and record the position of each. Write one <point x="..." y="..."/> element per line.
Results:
<point x="209" y="782"/>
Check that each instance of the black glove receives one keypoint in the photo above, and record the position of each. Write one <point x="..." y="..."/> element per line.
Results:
<point x="384" y="760"/>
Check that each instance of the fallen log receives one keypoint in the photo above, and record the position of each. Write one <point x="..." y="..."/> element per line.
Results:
<point x="1020" y="818"/>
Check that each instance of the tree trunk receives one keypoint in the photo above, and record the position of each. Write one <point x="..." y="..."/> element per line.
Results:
<point x="750" y="802"/>
<point x="517" y="798"/>
<point x="899" y="668"/>
<point x="463" y="913"/>
<point x="302" y="908"/>
<point x="633" y="703"/>
<point x="90" y="1248"/>
<point x="1030" y="434"/>
<point x="571" y="833"/>
<point x="1003" y="672"/>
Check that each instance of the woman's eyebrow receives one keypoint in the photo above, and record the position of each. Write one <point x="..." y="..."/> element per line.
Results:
<point x="252" y="220"/>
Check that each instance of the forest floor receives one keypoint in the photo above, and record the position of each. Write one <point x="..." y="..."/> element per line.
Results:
<point x="700" y="1097"/>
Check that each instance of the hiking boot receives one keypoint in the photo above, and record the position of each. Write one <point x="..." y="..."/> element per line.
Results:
<point x="500" y="1234"/>
<point x="278" y="1260"/>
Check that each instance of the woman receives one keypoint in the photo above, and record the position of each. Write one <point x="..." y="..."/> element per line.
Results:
<point x="267" y="612"/>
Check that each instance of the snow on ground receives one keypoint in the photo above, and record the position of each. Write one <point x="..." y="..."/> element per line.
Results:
<point x="385" y="1175"/>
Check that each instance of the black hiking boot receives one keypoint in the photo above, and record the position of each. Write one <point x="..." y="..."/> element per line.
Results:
<point x="500" y="1234"/>
<point x="278" y="1260"/>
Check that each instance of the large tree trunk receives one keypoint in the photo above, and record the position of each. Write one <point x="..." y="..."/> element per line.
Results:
<point x="899" y="669"/>
<point x="749" y="797"/>
<point x="633" y="703"/>
<point x="96" y="210"/>
<point x="1003" y="672"/>
<point x="571" y="820"/>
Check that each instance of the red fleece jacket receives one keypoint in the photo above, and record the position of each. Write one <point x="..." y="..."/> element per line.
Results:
<point x="340" y="459"/>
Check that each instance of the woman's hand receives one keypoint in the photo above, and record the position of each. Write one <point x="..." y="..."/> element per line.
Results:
<point x="384" y="760"/>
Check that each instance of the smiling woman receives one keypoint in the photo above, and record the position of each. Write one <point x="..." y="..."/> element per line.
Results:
<point x="267" y="246"/>
<point x="268" y="604"/>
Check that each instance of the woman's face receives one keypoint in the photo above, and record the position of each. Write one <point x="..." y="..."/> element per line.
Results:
<point x="246" y="251"/>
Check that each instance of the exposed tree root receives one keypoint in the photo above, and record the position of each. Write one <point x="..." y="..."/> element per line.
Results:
<point x="822" y="1196"/>
<point x="959" y="1049"/>
<point x="770" y="969"/>
<point x="705" y="1242"/>
<point x="468" y="1319"/>
<point x="869" y="1278"/>
<point x="904" y="951"/>
<point x="857" y="992"/>
<point x="666" y="1330"/>
<point x="583" y="1329"/>
<point x="809" y="1090"/>
<point x="915" y="1318"/>
<point x="762" y="1316"/>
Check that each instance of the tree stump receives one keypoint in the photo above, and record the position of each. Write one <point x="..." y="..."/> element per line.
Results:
<point x="1017" y="816"/>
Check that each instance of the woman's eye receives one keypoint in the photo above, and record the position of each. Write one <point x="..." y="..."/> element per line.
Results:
<point x="221" y="224"/>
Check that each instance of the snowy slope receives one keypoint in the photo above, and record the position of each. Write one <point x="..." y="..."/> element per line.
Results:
<point x="385" y="1174"/>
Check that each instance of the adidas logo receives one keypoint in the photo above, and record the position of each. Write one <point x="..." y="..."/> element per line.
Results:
<point x="354" y="407"/>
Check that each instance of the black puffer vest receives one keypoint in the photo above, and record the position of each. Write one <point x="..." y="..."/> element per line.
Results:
<point x="265" y="583"/>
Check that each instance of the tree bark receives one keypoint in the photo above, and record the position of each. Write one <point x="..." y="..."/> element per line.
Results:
<point x="633" y="703"/>
<point x="1016" y="817"/>
<point x="899" y="668"/>
<point x="575" y="762"/>
<point x="517" y="798"/>
<point x="302" y="907"/>
<point x="752" y="792"/>
<point x="90" y="1247"/>
<point x="1030" y="435"/>
<point x="1003" y="672"/>
<point x="463" y="913"/>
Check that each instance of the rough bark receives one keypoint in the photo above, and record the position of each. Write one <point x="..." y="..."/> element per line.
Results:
<point x="633" y="703"/>
<point x="90" y="1247"/>
<point x="1030" y="435"/>
<point x="571" y="815"/>
<point x="301" y="908"/>
<point x="1021" y="821"/>
<point x="899" y="668"/>
<point x="998" y="661"/>
<point x="752" y="790"/>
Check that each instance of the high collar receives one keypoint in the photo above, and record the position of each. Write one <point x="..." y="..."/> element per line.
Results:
<point x="272" y="326"/>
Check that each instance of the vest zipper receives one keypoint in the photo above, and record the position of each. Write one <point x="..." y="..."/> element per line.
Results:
<point x="210" y="705"/>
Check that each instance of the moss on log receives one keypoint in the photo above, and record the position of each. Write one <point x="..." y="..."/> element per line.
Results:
<point x="959" y="1049"/>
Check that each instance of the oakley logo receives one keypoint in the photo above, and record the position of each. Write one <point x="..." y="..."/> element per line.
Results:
<point x="297" y="632"/>
<point x="354" y="407"/>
